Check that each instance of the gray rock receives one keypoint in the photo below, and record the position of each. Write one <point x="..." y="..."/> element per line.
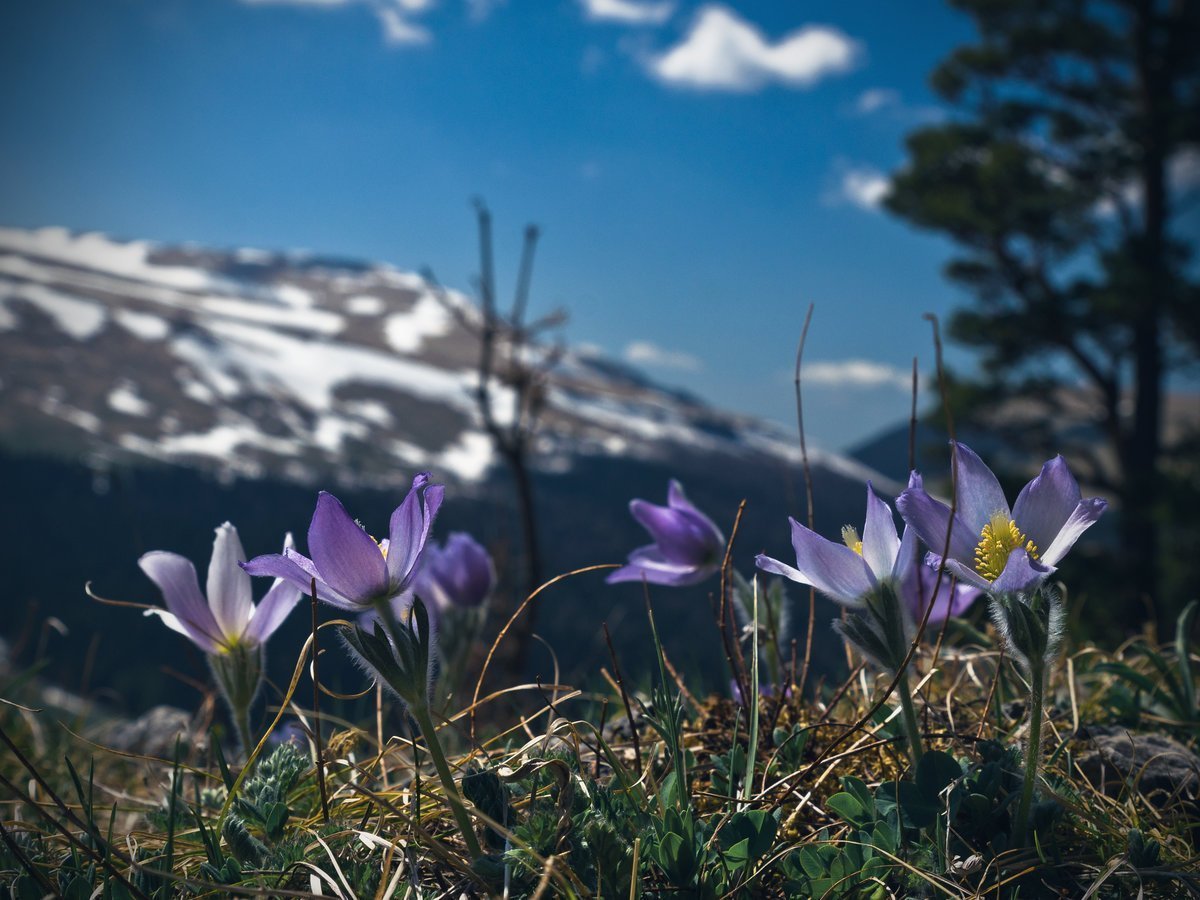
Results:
<point x="1163" y="769"/>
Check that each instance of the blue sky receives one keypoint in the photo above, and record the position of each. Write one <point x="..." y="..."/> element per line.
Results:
<point x="701" y="172"/>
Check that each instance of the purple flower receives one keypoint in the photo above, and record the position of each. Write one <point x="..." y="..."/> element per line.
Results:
<point x="228" y="618"/>
<point x="460" y="574"/>
<point x="995" y="548"/>
<point x="846" y="572"/>
<point x="916" y="587"/>
<point x="687" y="545"/>
<point x="352" y="571"/>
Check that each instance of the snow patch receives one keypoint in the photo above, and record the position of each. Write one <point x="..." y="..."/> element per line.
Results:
<point x="124" y="398"/>
<point x="97" y="251"/>
<point x="144" y="325"/>
<point x="469" y="457"/>
<point x="79" y="318"/>
<point x="407" y="331"/>
<point x="365" y="305"/>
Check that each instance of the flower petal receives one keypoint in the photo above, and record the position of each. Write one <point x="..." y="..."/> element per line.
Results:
<point x="833" y="569"/>
<point x="1048" y="504"/>
<point x="409" y="528"/>
<point x="931" y="520"/>
<point x="229" y="593"/>
<point x="964" y="573"/>
<point x="649" y="564"/>
<point x="1020" y="574"/>
<point x="773" y="566"/>
<point x="1083" y="517"/>
<point x="952" y="599"/>
<point x="684" y="537"/>
<point x="298" y="571"/>
<point x="348" y="559"/>
<point x="979" y="493"/>
<point x="907" y="557"/>
<point x="880" y="544"/>
<point x="274" y="607"/>
<point x="176" y="578"/>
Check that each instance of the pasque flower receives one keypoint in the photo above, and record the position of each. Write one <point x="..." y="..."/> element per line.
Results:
<point x="228" y="617"/>
<point x="687" y="545"/>
<point x="352" y="571"/>
<point x="992" y="546"/>
<point x="227" y="625"/>
<point x="879" y="577"/>
<point x="458" y="574"/>
<point x="849" y="571"/>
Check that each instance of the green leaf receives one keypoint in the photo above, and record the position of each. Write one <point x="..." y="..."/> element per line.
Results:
<point x="848" y="808"/>
<point x="756" y="827"/>
<point x="935" y="771"/>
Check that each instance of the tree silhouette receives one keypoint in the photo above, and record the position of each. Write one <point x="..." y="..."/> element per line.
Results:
<point x="1061" y="176"/>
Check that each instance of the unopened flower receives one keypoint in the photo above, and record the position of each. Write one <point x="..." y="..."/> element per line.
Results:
<point x="687" y="545"/>
<point x="992" y="546"/>
<point x="459" y="574"/>
<point x="352" y="571"/>
<point x="227" y="618"/>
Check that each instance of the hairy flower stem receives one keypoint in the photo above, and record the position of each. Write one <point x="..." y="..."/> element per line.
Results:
<point x="1037" y="682"/>
<point x="420" y="712"/>
<point x="910" y="719"/>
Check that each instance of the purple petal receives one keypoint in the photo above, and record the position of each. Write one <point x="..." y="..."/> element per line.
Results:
<point x="952" y="599"/>
<point x="298" y="571"/>
<point x="1084" y="516"/>
<point x="775" y="567"/>
<point x="274" y="607"/>
<point x="648" y="564"/>
<point x="979" y="493"/>
<point x="176" y="578"/>
<point x="174" y="624"/>
<point x="229" y="593"/>
<point x="676" y="499"/>
<point x="1051" y="512"/>
<point x="409" y="528"/>
<point x="347" y="557"/>
<point x="1020" y="573"/>
<point x="879" y="541"/>
<point x="907" y="557"/>
<point x="684" y="537"/>
<point x="931" y="519"/>
<point x="833" y="569"/>
<point x="964" y="573"/>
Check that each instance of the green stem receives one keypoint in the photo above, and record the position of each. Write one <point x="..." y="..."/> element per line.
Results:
<point x="1034" y="751"/>
<point x="241" y="721"/>
<point x="910" y="718"/>
<point x="425" y="722"/>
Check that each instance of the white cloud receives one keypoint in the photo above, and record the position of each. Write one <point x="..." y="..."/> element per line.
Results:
<point x="479" y="10"/>
<point x="644" y="353"/>
<point x="629" y="12"/>
<point x="395" y="16"/>
<point x="879" y="101"/>
<point x="725" y="53"/>
<point x="875" y="99"/>
<point x="861" y="186"/>
<point x="856" y="373"/>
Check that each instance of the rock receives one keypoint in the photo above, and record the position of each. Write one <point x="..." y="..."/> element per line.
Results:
<point x="1164" y="770"/>
<point x="153" y="733"/>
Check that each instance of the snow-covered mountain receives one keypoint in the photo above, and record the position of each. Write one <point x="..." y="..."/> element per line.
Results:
<point x="255" y="364"/>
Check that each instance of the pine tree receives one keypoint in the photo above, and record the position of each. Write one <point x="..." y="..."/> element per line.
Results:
<point x="1060" y="176"/>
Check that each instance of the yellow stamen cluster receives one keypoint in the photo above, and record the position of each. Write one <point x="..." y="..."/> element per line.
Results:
<point x="851" y="540"/>
<point x="998" y="539"/>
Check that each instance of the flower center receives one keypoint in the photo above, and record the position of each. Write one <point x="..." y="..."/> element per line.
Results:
<point x="997" y="540"/>
<point x="850" y="539"/>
